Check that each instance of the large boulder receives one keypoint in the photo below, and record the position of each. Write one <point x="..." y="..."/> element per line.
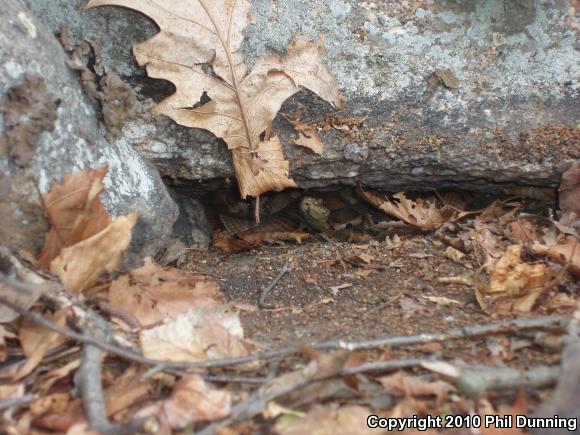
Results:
<point x="472" y="94"/>
<point x="49" y="128"/>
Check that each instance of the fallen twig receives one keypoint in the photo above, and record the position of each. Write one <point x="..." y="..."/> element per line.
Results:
<point x="552" y="323"/>
<point x="260" y="398"/>
<point x="91" y="387"/>
<point x="474" y="380"/>
<point x="267" y="289"/>
<point x="17" y="401"/>
<point x="90" y="378"/>
<point x="564" y="400"/>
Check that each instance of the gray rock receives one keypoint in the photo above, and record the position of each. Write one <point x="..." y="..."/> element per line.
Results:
<point x="71" y="140"/>
<point x="475" y="94"/>
<point x="190" y="230"/>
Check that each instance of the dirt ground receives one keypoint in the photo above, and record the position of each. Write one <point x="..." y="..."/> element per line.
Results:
<point x="326" y="295"/>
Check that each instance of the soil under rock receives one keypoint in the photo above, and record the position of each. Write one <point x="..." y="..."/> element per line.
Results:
<point x="359" y="291"/>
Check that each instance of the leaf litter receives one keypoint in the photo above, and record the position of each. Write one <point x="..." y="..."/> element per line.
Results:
<point x="184" y="317"/>
<point x="510" y="263"/>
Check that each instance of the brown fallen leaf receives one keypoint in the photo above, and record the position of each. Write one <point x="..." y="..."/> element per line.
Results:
<point x="420" y="213"/>
<point x="256" y="238"/>
<point x="328" y="420"/>
<point x="241" y="105"/>
<point x="126" y="391"/>
<point x="196" y="335"/>
<point x="307" y="135"/>
<point x="229" y="244"/>
<point x="80" y="265"/>
<point x="569" y="191"/>
<point x="74" y="211"/>
<point x="454" y="254"/>
<point x="46" y="381"/>
<point x="533" y="229"/>
<point x="402" y="385"/>
<point x="193" y="400"/>
<point x="514" y="286"/>
<point x="519" y="407"/>
<point x="153" y="294"/>
<point x="566" y="253"/>
<point x="36" y="340"/>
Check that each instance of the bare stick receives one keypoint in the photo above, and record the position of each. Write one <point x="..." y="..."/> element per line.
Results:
<point x="257" y="209"/>
<point x="564" y="400"/>
<point x="18" y="401"/>
<point x="551" y="323"/>
<point x="267" y="289"/>
<point x="474" y="381"/>
<point x="90" y="378"/>
<point x="258" y="401"/>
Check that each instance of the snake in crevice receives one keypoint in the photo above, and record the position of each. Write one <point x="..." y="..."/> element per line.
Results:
<point x="293" y="211"/>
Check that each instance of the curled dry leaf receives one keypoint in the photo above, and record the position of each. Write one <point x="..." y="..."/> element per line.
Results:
<point x="74" y="211"/>
<point x="242" y="105"/>
<point x="567" y="253"/>
<point x="194" y="400"/>
<point x="514" y="286"/>
<point x="307" y="135"/>
<point x="80" y="265"/>
<point x="153" y="294"/>
<point x="420" y="213"/>
<point x="197" y="335"/>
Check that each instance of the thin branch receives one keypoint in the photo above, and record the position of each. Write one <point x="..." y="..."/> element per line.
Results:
<point x="565" y="398"/>
<point x="552" y="323"/>
<point x="90" y="383"/>
<point x="267" y="289"/>
<point x="18" y="401"/>
<point x="259" y="400"/>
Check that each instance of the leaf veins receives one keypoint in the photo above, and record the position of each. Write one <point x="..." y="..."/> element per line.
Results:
<point x="242" y="105"/>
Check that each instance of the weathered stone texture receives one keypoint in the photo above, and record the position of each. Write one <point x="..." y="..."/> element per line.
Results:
<point x="510" y="117"/>
<point x="73" y="141"/>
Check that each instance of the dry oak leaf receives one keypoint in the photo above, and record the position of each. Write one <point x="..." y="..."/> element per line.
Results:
<point x="420" y="213"/>
<point x="242" y="105"/>
<point x="80" y="265"/>
<point x="74" y="211"/>
<point x="198" y="334"/>
<point x="153" y="294"/>
<point x="514" y="286"/>
<point x="194" y="400"/>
